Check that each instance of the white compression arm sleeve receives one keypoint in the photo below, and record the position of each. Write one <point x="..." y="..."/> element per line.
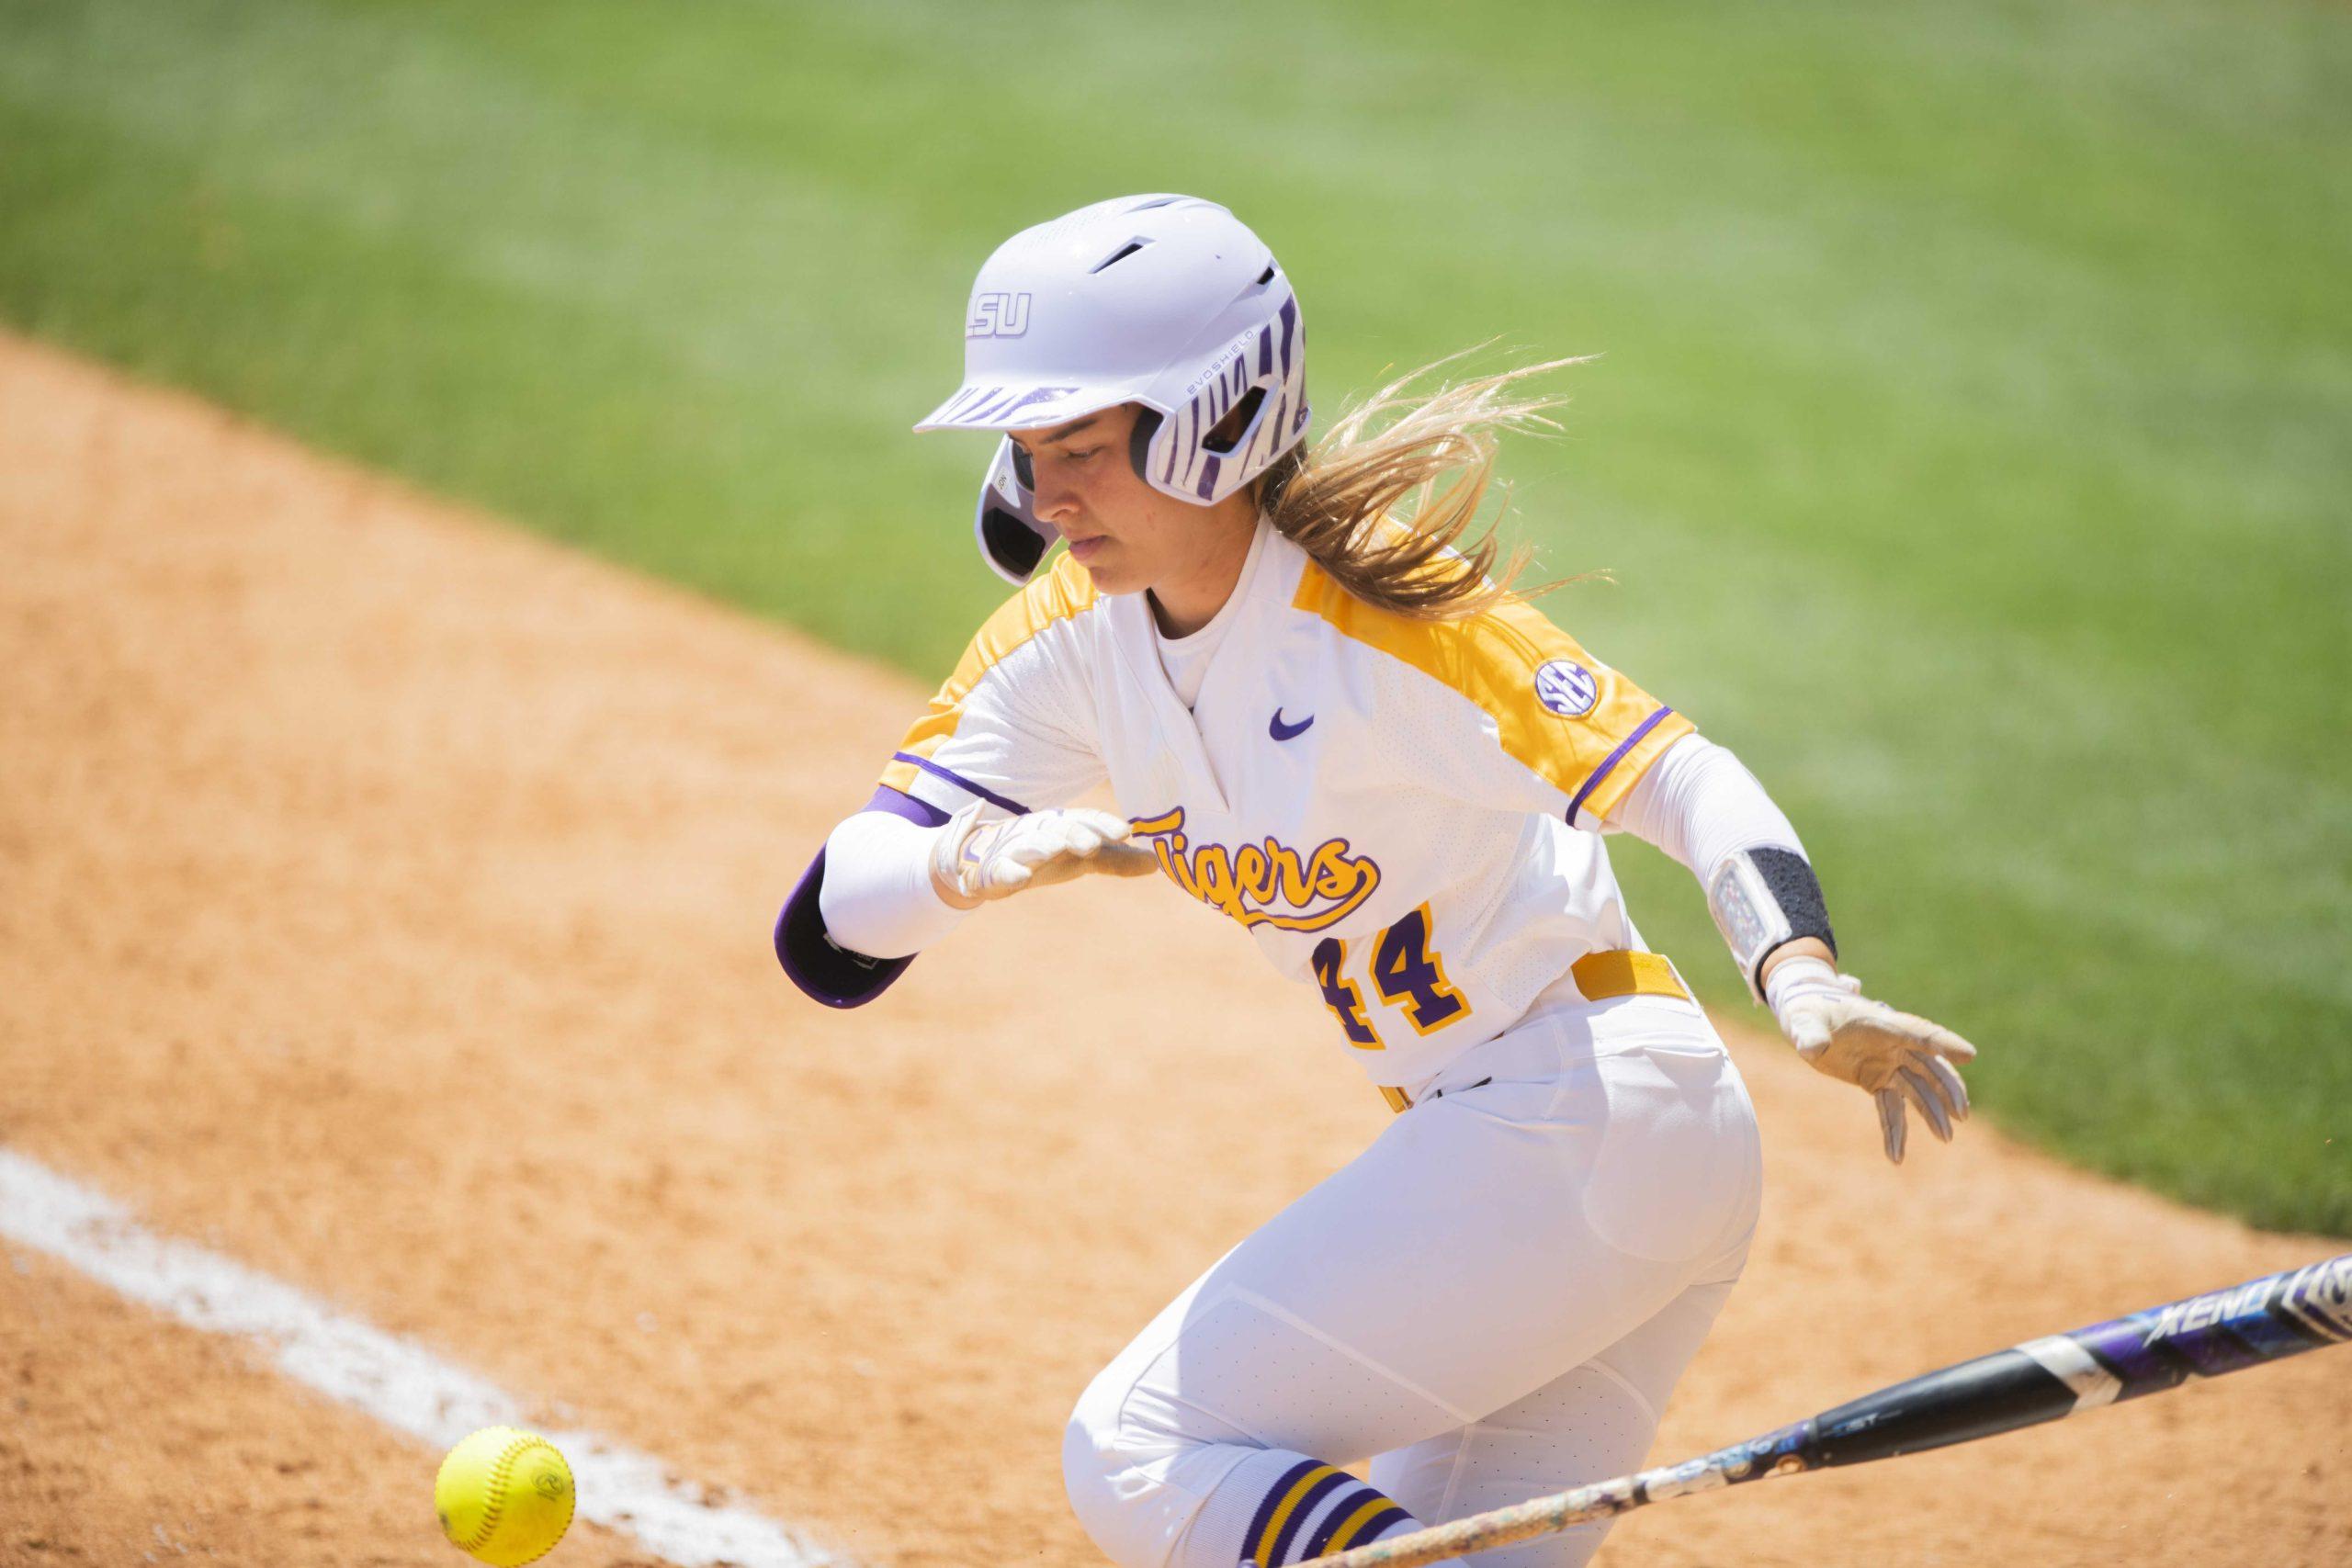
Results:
<point x="877" y="897"/>
<point x="1700" y="804"/>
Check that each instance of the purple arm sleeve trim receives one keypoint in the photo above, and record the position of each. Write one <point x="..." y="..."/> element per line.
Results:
<point x="960" y="782"/>
<point x="1613" y="758"/>
<point x="820" y="966"/>
<point x="898" y="803"/>
<point x="823" y="969"/>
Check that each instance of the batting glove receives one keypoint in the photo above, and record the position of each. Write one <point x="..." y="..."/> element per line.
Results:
<point x="973" y="862"/>
<point x="1896" y="1056"/>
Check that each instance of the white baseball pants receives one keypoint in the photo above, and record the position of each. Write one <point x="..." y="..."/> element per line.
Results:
<point x="1488" y="1303"/>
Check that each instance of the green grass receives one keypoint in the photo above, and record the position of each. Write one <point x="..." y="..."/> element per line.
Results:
<point x="1972" y="442"/>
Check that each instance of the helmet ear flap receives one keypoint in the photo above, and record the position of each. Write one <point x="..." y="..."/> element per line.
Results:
<point x="1013" y="539"/>
<point x="1010" y="544"/>
<point x="1139" y="441"/>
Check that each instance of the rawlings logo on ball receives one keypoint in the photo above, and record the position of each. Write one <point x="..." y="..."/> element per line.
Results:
<point x="1566" y="688"/>
<point x="504" y="1495"/>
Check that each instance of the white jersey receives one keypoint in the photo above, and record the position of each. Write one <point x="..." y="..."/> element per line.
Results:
<point x="1404" y="814"/>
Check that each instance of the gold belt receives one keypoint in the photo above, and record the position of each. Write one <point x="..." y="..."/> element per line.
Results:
<point x="1601" y="977"/>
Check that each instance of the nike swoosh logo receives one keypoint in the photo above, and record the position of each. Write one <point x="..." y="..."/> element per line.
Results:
<point x="1282" y="731"/>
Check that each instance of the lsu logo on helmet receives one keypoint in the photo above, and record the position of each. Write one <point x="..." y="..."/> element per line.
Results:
<point x="998" y="314"/>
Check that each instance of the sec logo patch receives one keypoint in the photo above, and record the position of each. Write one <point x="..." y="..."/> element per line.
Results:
<point x="1566" y="688"/>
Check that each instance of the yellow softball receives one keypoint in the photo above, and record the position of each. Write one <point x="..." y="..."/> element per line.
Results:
<point x="504" y="1494"/>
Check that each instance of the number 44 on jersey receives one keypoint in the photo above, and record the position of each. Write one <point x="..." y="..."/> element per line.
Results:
<point x="1406" y="972"/>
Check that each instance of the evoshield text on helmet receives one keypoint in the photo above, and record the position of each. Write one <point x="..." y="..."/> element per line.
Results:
<point x="1166" y="301"/>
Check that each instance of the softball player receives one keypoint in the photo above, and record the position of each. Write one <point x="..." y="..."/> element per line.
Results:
<point x="1343" y="733"/>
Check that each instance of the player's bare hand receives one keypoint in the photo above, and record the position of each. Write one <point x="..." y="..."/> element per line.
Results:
<point x="975" y="862"/>
<point x="1900" y="1058"/>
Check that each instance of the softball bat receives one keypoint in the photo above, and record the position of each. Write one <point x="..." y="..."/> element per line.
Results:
<point x="2042" y="1380"/>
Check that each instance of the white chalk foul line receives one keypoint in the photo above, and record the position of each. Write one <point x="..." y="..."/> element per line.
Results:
<point x="401" y="1384"/>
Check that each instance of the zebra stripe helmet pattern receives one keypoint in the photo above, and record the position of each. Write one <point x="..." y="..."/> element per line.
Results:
<point x="1166" y="301"/>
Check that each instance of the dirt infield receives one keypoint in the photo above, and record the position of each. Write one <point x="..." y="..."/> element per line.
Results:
<point x="386" y="905"/>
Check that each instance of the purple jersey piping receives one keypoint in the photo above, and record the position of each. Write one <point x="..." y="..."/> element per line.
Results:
<point x="1613" y="758"/>
<point x="960" y="781"/>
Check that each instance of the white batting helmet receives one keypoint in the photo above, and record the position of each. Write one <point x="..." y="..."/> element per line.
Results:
<point x="1167" y="301"/>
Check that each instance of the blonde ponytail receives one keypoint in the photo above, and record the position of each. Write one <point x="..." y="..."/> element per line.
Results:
<point x="1345" y="500"/>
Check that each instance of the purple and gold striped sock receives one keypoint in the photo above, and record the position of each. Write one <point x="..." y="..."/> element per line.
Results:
<point x="1278" y="1510"/>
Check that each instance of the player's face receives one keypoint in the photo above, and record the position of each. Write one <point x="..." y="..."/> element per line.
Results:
<point x="1128" y="535"/>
